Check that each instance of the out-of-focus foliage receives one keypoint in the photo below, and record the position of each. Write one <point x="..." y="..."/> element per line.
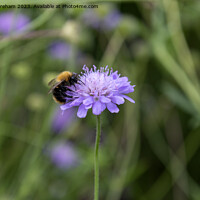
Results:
<point x="149" y="150"/>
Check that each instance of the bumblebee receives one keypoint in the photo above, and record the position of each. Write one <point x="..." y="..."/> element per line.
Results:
<point x="60" y="84"/>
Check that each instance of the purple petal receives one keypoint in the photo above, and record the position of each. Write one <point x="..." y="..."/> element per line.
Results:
<point x="126" y="89"/>
<point x="128" y="98"/>
<point x="66" y="106"/>
<point x="103" y="107"/>
<point x="115" y="75"/>
<point x="82" y="112"/>
<point x="112" y="108"/>
<point x="104" y="99"/>
<point x="117" y="100"/>
<point x="122" y="88"/>
<point x="123" y="79"/>
<point x="88" y="106"/>
<point x="77" y="102"/>
<point x="96" y="109"/>
<point x="88" y="101"/>
<point x="129" y="90"/>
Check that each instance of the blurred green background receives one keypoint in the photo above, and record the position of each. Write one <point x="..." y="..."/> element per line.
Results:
<point x="150" y="150"/>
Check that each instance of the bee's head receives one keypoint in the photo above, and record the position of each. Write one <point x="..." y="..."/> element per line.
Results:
<point x="74" y="78"/>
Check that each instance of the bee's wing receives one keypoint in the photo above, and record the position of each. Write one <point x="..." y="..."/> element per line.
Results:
<point x="53" y="85"/>
<point x="52" y="82"/>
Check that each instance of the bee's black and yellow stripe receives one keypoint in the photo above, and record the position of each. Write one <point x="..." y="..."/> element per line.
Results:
<point x="66" y="75"/>
<point x="59" y="93"/>
<point x="64" y="80"/>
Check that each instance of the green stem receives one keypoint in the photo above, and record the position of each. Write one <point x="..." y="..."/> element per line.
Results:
<point x="96" y="159"/>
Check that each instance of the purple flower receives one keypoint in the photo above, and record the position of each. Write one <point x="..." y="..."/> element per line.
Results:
<point x="13" y="22"/>
<point x="98" y="89"/>
<point x="60" y="50"/>
<point x="91" y="19"/>
<point x="107" y="22"/>
<point x="62" y="120"/>
<point x="111" y="20"/>
<point x="63" y="155"/>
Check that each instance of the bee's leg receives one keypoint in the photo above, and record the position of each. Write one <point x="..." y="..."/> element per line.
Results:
<point x="70" y="89"/>
<point x="81" y="81"/>
<point x="68" y="96"/>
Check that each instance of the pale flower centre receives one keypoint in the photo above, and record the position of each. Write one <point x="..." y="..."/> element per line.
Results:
<point x="96" y="99"/>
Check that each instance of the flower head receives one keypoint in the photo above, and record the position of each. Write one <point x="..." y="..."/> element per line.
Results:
<point x="108" y="22"/>
<point x="112" y="20"/>
<point x="12" y="22"/>
<point x="60" y="50"/>
<point x="98" y="89"/>
<point x="63" y="155"/>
